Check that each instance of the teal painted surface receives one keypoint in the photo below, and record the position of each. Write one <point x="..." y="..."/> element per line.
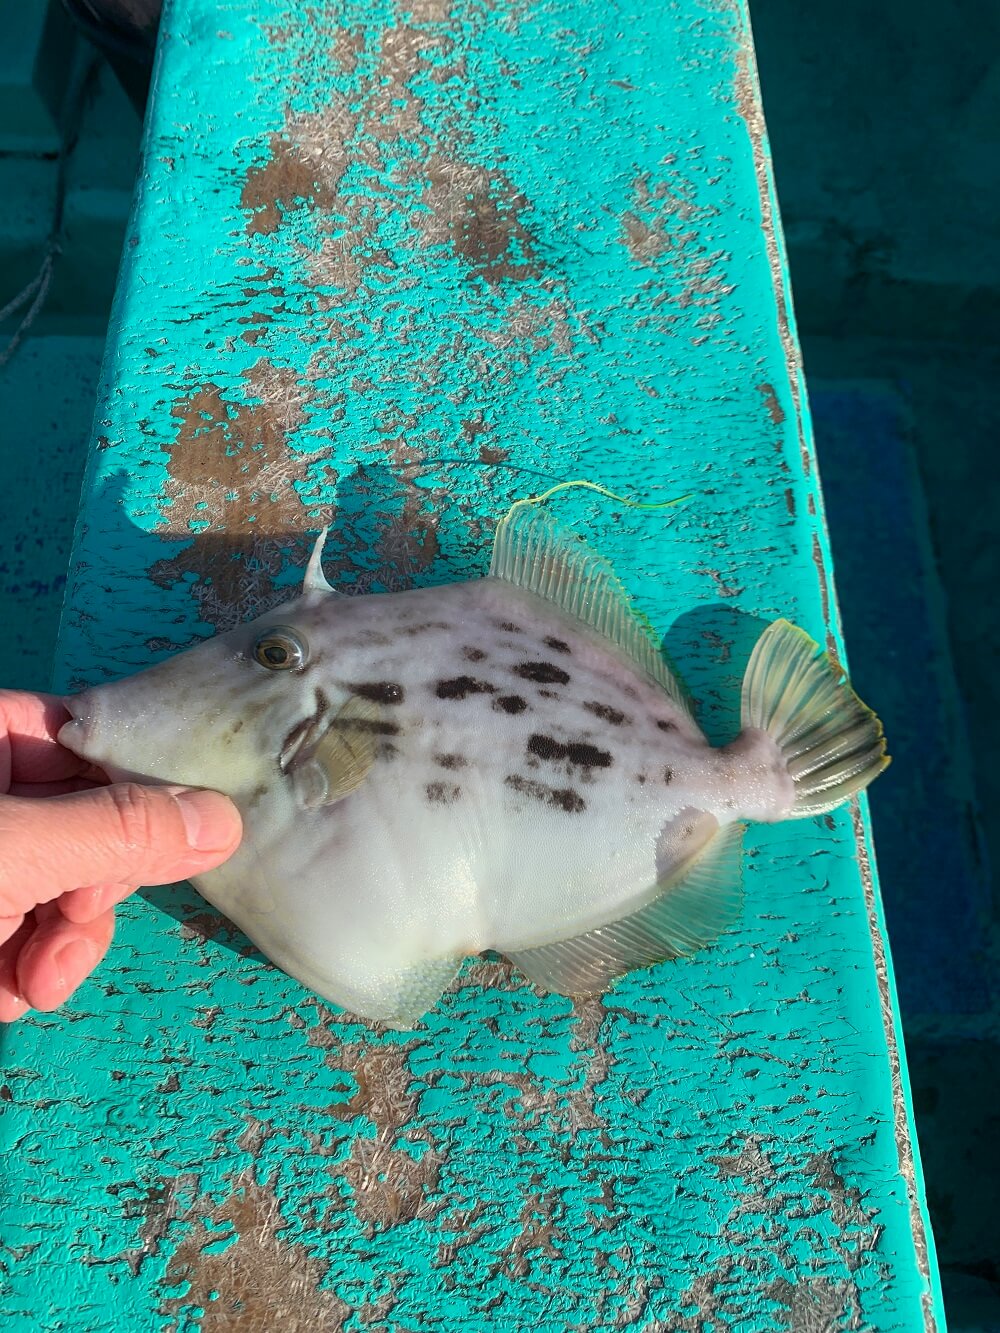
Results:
<point x="46" y="410"/>
<point x="531" y="249"/>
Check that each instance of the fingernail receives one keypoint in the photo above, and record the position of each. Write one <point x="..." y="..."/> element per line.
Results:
<point x="210" y="820"/>
<point x="73" y="962"/>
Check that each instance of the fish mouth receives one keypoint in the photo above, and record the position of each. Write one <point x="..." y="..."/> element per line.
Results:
<point x="72" y="735"/>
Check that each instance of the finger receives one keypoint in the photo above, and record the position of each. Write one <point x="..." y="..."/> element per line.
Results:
<point x="9" y="925"/>
<point x="58" y="956"/>
<point x="12" y="1002"/>
<point x="81" y="905"/>
<point x="121" y="834"/>
<point x="62" y="788"/>
<point x="30" y="752"/>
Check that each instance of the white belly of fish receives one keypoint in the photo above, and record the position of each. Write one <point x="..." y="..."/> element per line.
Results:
<point x="391" y="881"/>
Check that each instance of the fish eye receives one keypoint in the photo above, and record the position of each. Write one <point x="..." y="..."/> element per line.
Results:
<point x="280" y="649"/>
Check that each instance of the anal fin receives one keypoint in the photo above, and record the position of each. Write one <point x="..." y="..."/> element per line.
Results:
<point x="692" y="905"/>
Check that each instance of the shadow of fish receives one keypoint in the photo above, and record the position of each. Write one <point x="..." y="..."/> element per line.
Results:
<point x="502" y="764"/>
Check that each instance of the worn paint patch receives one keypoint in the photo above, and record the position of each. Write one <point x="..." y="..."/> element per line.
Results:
<point x="230" y="470"/>
<point x="237" y="1269"/>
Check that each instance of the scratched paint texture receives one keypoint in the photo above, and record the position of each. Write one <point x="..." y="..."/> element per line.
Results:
<point x="393" y="266"/>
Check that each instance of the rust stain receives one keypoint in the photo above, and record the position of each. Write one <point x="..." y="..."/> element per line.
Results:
<point x="661" y="229"/>
<point x="384" y="1092"/>
<point x="346" y="48"/>
<point x="477" y="211"/>
<point x="287" y="179"/>
<point x="394" y="1174"/>
<point x="430" y="11"/>
<point x="824" y="587"/>
<point x="474" y="209"/>
<point x="540" y="1233"/>
<point x="259" y="1281"/>
<point x="774" y="409"/>
<point x="389" y="1186"/>
<point x="750" y="110"/>
<point x="230" y="468"/>
<point x="903" y="1133"/>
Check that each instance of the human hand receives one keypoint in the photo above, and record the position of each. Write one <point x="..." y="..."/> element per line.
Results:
<point x="72" y="846"/>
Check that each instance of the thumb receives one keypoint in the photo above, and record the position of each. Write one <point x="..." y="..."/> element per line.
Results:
<point x="126" y="833"/>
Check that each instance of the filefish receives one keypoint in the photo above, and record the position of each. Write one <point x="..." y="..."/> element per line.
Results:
<point x="503" y="764"/>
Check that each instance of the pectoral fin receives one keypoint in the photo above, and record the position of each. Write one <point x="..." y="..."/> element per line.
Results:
<point x="697" y="897"/>
<point x="340" y="759"/>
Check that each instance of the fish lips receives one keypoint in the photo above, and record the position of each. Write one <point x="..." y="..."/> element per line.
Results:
<point x="73" y="735"/>
<point x="77" y="736"/>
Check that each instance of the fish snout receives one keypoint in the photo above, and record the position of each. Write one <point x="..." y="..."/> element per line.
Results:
<point x="75" y="734"/>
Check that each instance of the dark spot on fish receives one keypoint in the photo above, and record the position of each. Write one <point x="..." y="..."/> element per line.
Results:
<point x="386" y="750"/>
<point x="258" y="793"/>
<point x="548" y="694"/>
<point x="641" y="779"/>
<point x="542" y="673"/>
<point x="508" y="626"/>
<point x="442" y="793"/>
<point x="237" y="727"/>
<point x="546" y="748"/>
<point x="668" y="775"/>
<point x="374" y="637"/>
<point x="379" y="691"/>
<point x="581" y="753"/>
<point x="425" y="625"/>
<point x="560" y="798"/>
<point x="375" y="726"/>
<point x="687" y="830"/>
<point x="510" y="703"/>
<point x="606" y="713"/>
<point x="451" y="760"/>
<point x="666" y="726"/>
<point x="558" y="645"/>
<point x="459" y="687"/>
<point x="473" y="654"/>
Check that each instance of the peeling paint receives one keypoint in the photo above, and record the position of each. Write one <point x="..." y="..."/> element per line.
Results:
<point x="235" y="1266"/>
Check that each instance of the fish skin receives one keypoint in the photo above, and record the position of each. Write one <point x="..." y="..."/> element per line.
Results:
<point x="517" y="751"/>
<point x="474" y="767"/>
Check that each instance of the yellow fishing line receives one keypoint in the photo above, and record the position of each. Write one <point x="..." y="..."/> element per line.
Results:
<point x="602" y="490"/>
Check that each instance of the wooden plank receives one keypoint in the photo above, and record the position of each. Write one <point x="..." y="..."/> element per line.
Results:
<point x="399" y="266"/>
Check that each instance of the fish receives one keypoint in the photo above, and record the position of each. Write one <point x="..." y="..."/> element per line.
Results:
<point x="505" y="764"/>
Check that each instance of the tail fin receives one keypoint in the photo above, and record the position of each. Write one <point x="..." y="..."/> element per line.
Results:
<point x="833" y="745"/>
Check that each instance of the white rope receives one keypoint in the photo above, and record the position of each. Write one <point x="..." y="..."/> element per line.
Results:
<point x="37" y="290"/>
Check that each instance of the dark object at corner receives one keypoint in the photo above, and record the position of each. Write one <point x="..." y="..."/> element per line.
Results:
<point x="124" y="31"/>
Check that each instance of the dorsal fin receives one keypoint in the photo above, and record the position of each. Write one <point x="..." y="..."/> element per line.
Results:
<point x="532" y="551"/>
<point x="315" y="579"/>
